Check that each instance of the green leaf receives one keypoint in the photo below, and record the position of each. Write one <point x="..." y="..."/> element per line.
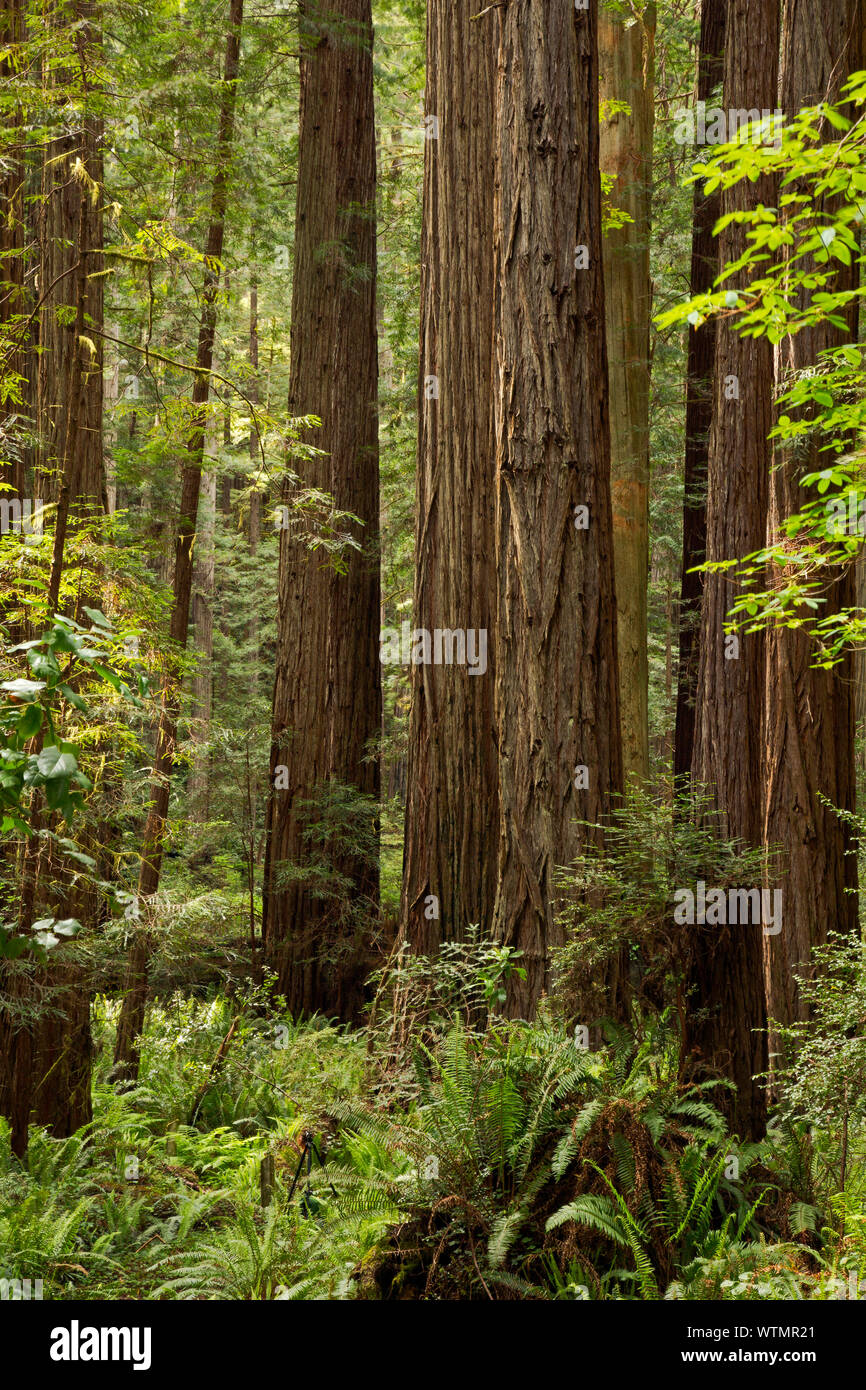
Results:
<point x="53" y="764"/>
<point x="79" y="856"/>
<point x="67" y="926"/>
<point x="43" y="664"/>
<point x="75" y="700"/>
<point x="57" y="796"/>
<point x="97" y="617"/>
<point x="108" y="675"/>
<point x="11" y="947"/>
<point x="64" y="641"/>
<point x="30" y="722"/>
<point x="22" y="688"/>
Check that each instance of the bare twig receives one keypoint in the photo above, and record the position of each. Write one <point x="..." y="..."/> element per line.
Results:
<point x="497" y="5"/>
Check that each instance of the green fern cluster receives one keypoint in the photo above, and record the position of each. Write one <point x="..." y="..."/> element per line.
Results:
<point x="510" y="1122"/>
<point x="478" y="1145"/>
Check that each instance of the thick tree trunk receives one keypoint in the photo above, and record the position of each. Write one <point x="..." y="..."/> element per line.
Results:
<point x="810" y="736"/>
<point x="627" y="64"/>
<point x="256" y="501"/>
<point x="17" y="408"/>
<point x="556" y="692"/>
<point x="69" y="399"/>
<point x="449" y="867"/>
<point x="725" y="973"/>
<point x="699" y="407"/>
<point x="327" y="692"/>
<point x="131" y="1019"/>
<point x="63" y="1052"/>
<point x="13" y="297"/>
<point x="257" y="504"/>
<point x="45" y="1066"/>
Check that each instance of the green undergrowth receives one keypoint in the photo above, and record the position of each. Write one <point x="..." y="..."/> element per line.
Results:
<point x="482" y="1159"/>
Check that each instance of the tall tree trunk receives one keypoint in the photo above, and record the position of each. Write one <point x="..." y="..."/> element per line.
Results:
<point x="699" y="407"/>
<point x="860" y="667"/>
<point x="725" y="973"/>
<point x="69" y="388"/>
<point x="13" y="301"/>
<point x="45" y="1066"/>
<point x="70" y="408"/>
<point x="557" y="699"/>
<point x="131" y="1019"/>
<point x="198" y="787"/>
<point x="19" y="361"/>
<point x="16" y="422"/>
<point x="449" y="866"/>
<point x="256" y="499"/>
<point x="327" y="692"/>
<point x="810" y="724"/>
<point x="257" y="504"/>
<point x="627" y="64"/>
<point x="110" y="397"/>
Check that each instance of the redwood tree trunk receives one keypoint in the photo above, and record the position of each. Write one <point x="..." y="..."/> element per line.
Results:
<point x="45" y="1060"/>
<point x="327" y="692"/>
<point x="556" y="691"/>
<point x="449" y="866"/>
<point x="699" y="406"/>
<point x="204" y="569"/>
<point x="810" y="737"/>
<point x="627" y="62"/>
<point x="725" y="972"/>
<point x="13" y="299"/>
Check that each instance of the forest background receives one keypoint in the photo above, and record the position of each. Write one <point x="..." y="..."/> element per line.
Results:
<point x="323" y="333"/>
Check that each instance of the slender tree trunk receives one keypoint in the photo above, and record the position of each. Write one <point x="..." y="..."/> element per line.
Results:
<point x="860" y="669"/>
<point x="627" y="63"/>
<point x="110" y="397"/>
<point x="327" y="691"/>
<point x="131" y="1019"/>
<point x="699" y="407"/>
<point x="810" y="724"/>
<point x="557" y="699"/>
<point x="449" y="867"/>
<point x="725" y="973"/>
